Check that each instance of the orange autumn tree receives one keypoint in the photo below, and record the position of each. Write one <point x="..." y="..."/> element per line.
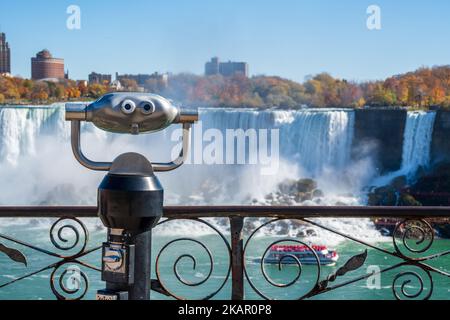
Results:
<point x="423" y="88"/>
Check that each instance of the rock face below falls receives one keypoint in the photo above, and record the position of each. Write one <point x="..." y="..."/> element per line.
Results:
<point x="294" y="192"/>
<point x="383" y="132"/>
<point x="429" y="188"/>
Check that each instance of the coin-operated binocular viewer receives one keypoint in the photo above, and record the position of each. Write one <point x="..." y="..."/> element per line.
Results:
<point x="130" y="197"/>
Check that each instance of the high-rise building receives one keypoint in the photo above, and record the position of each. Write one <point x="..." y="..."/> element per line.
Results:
<point x="44" y="66"/>
<point x="225" y="69"/>
<point x="231" y="68"/>
<point x="99" y="78"/>
<point x="5" y="55"/>
<point x="212" y="67"/>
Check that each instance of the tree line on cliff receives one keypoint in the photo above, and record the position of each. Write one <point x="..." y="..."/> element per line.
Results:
<point x="423" y="88"/>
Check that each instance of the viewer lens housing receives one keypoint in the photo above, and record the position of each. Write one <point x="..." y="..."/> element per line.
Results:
<point x="128" y="107"/>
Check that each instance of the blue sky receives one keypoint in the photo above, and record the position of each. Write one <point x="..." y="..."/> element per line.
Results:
<point x="290" y="38"/>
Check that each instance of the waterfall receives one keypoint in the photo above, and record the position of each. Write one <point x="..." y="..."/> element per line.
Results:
<point x="20" y="127"/>
<point x="417" y="141"/>
<point x="314" y="139"/>
<point x="319" y="139"/>
<point x="37" y="166"/>
<point x="35" y="151"/>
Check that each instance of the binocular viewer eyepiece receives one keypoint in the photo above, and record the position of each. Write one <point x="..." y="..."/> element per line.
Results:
<point x="132" y="113"/>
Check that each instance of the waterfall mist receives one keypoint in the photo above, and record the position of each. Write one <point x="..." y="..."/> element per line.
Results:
<point x="37" y="166"/>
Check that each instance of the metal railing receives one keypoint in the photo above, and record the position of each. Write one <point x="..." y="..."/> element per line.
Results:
<point x="411" y="245"/>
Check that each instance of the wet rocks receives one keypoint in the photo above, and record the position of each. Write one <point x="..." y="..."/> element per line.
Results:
<point x="294" y="192"/>
<point x="318" y="193"/>
<point x="383" y="196"/>
<point x="407" y="200"/>
<point x="399" y="183"/>
<point x="433" y="188"/>
<point x="396" y="193"/>
<point x="306" y="185"/>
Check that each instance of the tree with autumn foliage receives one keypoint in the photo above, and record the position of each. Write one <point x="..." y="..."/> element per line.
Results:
<point x="15" y="90"/>
<point x="423" y="88"/>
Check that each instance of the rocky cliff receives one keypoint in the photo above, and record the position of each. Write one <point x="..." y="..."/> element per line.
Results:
<point x="380" y="132"/>
<point x="440" y="145"/>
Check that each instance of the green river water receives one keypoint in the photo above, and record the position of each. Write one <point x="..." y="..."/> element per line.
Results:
<point x="37" y="286"/>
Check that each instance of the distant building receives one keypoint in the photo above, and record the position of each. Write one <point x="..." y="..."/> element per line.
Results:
<point x="162" y="79"/>
<point x="139" y="78"/>
<point x="82" y="83"/>
<point x="226" y="69"/>
<point x="116" y="85"/>
<point x="100" y="78"/>
<point x="5" y="55"/>
<point x="143" y="80"/>
<point x="212" y="67"/>
<point x="44" y="66"/>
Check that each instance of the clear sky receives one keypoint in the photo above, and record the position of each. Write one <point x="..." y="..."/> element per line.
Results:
<point x="289" y="38"/>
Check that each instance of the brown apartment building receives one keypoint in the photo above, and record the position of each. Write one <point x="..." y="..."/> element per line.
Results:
<point x="44" y="66"/>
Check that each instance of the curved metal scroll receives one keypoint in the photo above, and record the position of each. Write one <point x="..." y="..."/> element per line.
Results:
<point x="191" y="257"/>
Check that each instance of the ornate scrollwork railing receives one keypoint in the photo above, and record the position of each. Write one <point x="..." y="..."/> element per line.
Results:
<point x="191" y="257"/>
<point x="195" y="273"/>
<point x="78" y="240"/>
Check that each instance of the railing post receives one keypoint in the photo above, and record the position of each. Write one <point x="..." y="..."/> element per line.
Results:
<point x="140" y="290"/>
<point x="237" y="258"/>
